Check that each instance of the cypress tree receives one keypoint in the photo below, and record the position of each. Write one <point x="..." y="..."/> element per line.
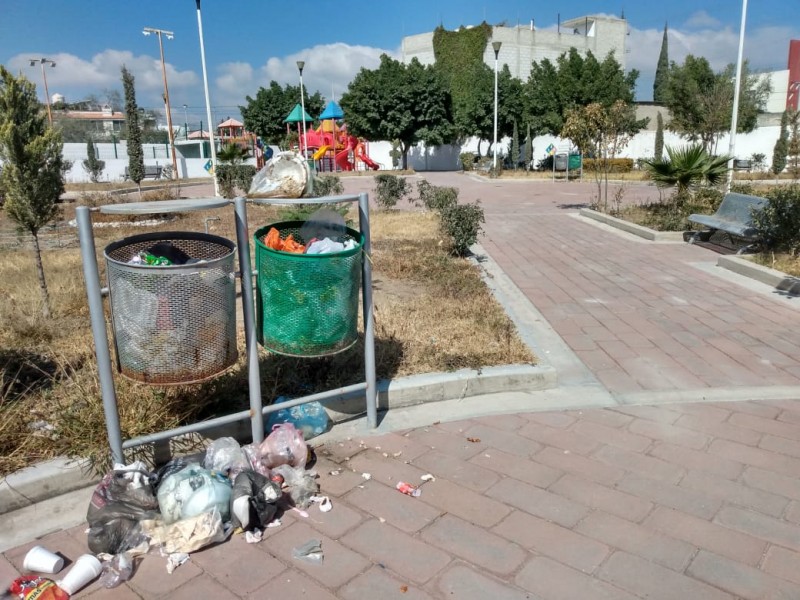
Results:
<point x="659" y="149"/>
<point x="781" y="148"/>
<point x="662" y="71"/>
<point x="135" y="152"/>
<point x="93" y="165"/>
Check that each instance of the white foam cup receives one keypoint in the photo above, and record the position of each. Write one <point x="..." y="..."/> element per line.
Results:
<point x="40" y="560"/>
<point x="85" y="570"/>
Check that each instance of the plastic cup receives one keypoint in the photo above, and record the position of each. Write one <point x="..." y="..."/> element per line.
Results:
<point x="40" y="560"/>
<point x="85" y="570"/>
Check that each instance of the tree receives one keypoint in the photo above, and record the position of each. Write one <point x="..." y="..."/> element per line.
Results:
<point x="265" y="113"/>
<point x="793" y="149"/>
<point x="659" y="147"/>
<point x="408" y="103"/>
<point x="781" y="148"/>
<point x="93" y="165"/>
<point x="515" y="146"/>
<point x="135" y="153"/>
<point x="31" y="179"/>
<point x="701" y="101"/>
<point x="528" y="149"/>
<point x="687" y="168"/>
<point x="661" y="82"/>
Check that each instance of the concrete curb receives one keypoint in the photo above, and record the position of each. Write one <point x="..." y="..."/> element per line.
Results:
<point x="777" y="279"/>
<point x="637" y="230"/>
<point x="42" y="481"/>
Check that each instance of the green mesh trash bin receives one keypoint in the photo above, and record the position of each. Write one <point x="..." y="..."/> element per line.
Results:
<point x="307" y="304"/>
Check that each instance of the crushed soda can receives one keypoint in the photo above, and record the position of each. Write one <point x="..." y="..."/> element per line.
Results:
<point x="408" y="489"/>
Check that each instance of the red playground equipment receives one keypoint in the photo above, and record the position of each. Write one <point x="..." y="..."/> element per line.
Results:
<point x="332" y="148"/>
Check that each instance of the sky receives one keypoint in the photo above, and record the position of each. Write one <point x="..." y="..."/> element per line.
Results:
<point x="251" y="42"/>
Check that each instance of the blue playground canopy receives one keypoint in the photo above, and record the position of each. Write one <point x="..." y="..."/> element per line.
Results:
<point x="296" y="116"/>
<point x="332" y="111"/>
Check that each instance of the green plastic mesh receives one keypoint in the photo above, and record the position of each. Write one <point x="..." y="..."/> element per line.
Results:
<point x="307" y="304"/>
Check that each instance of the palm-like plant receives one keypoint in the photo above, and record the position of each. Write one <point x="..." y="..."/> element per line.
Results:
<point x="232" y="154"/>
<point x="688" y="168"/>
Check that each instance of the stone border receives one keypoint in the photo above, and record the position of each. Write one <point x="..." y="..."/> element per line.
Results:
<point x="777" y="279"/>
<point x="637" y="230"/>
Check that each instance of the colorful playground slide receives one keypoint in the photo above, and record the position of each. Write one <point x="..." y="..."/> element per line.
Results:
<point x="341" y="160"/>
<point x="361" y="154"/>
<point x="321" y="152"/>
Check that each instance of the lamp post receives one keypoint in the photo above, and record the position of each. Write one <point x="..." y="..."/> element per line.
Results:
<point x="170" y="35"/>
<point x="496" y="47"/>
<point x="208" y="101"/>
<point x="736" y="89"/>
<point x="45" y="61"/>
<point x="185" y="122"/>
<point x="300" y="65"/>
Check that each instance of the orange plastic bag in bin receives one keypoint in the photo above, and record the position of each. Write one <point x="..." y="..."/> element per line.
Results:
<point x="274" y="241"/>
<point x="284" y="446"/>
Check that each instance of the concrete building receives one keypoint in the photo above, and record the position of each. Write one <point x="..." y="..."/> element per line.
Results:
<point x="524" y="44"/>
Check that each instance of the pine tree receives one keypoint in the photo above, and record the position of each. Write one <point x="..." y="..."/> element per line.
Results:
<point x="781" y="148"/>
<point x="529" y="149"/>
<point x="659" y="149"/>
<point x="92" y="165"/>
<point x="661" y="81"/>
<point x="515" y="146"/>
<point x="135" y="152"/>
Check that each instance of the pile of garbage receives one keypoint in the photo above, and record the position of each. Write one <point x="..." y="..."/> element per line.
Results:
<point x="315" y="246"/>
<point x="184" y="506"/>
<point x="163" y="254"/>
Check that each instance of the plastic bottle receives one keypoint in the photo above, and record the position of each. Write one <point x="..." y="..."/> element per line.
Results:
<point x="116" y="571"/>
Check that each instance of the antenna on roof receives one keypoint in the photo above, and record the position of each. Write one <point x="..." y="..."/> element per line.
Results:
<point x="622" y="16"/>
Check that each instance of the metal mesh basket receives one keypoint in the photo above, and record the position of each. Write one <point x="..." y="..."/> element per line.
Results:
<point x="173" y="324"/>
<point x="307" y="304"/>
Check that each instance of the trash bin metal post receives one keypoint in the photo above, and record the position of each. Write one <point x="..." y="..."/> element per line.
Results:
<point x="254" y="377"/>
<point x="92" y="276"/>
<point x="369" y="315"/>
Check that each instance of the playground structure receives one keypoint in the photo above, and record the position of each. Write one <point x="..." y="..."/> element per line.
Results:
<point x="330" y="145"/>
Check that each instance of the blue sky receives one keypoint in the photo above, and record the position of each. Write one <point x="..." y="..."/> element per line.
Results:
<point x="248" y="43"/>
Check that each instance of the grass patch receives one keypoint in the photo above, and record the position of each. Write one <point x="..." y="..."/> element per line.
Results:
<point x="780" y="261"/>
<point x="433" y="313"/>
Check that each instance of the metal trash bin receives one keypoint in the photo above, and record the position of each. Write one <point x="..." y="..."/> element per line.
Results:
<point x="307" y="304"/>
<point x="173" y="324"/>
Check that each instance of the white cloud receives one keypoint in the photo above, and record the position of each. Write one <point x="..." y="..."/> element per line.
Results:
<point x="701" y="19"/>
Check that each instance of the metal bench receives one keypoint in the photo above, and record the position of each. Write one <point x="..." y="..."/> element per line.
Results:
<point x="734" y="216"/>
<point x="153" y="171"/>
<point x="742" y="164"/>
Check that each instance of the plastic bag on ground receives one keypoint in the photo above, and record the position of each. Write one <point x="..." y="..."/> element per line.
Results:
<point x="301" y="484"/>
<point x="192" y="491"/>
<point x="311" y="418"/>
<point x="285" y="175"/>
<point x="117" y="570"/>
<point x="189" y="534"/>
<point x="253" y="500"/>
<point x="284" y="445"/>
<point x="224" y="455"/>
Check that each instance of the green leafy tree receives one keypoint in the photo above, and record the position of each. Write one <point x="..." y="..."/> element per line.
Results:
<point x="32" y="178"/>
<point x="658" y="151"/>
<point x="265" y="113"/>
<point x="661" y="81"/>
<point x="781" y="149"/>
<point x="688" y="168"/>
<point x="515" y="146"/>
<point x="408" y="103"/>
<point x="135" y="153"/>
<point x="793" y="149"/>
<point x="528" y="149"/>
<point x="93" y="165"/>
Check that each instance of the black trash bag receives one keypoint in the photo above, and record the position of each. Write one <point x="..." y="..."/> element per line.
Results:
<point x="253" y="500"/>
<point x="116" y="507"/>
<point x="173" y="466"/>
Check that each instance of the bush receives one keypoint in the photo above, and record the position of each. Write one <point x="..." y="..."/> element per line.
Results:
<point x="462" y="224"/>
<point x="328" y="185"/>
<point x="390" y="189"/>
<point x="744" y="188"/>
<point x="615" y="165"/>
<point x="779" y="221"/>
<point x="231" y="177"/>
<point x="435" y="197"/>
<point x="467" y="160"/>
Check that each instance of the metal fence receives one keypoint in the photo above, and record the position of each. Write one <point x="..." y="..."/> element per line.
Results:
<point x="108" y="151"/>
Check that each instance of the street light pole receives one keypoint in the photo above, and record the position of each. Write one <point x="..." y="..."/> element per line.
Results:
<point x="736" y="90"/>
<point x="496" y="48"/>
<point x="300" y="65"/>
<point x="185" y="122"/>
<point x="208" y="100"/>
<point x="45" y="61"/>
<point x="170" y="35"/>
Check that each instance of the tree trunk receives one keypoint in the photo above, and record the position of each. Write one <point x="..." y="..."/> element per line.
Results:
<point x="404" y="148"/>
<point x="479" y="147"/>
<point x="40" y="274"/>
<point x="139" y="185"/>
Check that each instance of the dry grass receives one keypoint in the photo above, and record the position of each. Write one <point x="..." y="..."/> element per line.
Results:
<point x="433" y="313"/>
<point x="784" y="262"/>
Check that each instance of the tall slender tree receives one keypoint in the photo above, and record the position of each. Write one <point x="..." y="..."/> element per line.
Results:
<point x="528" y="149"/>
<point x="660" y="83"/>
<point x="515" y="146"/>
<point x="659" y="149"/>
<point x="781" y="148"/>
<point x="135" y="152"/>
<point x="31" y="178"/>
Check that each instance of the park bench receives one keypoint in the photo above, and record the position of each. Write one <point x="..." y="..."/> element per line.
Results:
<point x="742" y="164"/>
<point x="150" y="171"/>
<point x="734" y="216"/>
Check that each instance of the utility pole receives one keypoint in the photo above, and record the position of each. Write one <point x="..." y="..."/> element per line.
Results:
<point x="170" y="35"/>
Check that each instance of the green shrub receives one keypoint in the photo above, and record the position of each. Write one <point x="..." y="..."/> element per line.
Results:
<point x="328" y="185"/>
<point x="779" y="221"/>
<point x="462" y="224"/>
<point x="467" y="160"/>
<point x="708" y="199"/>
<point x="435" y="197"/>
<point x="390" y="189"/>
<point x="615" y="165"/>
<point x="231" y="177"/>
<point x="744" y="188"/>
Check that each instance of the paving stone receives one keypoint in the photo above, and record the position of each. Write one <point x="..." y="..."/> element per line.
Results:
<point x="781" y="445"/>
<point x="760" y="526"/>
<point x="716" y="429"/>
<point x="506" y="441"/>
<point x="555" y="581"/>
<point x="602" y="497"/>
<point x="342" y="449"/>
<point x="403" y="554"/>
<point x="466" y="583"/>
<point x="695" y="503"/>
<point x="637" y="539"/>
<point x="649" y="580"/>
<point x="339" y="566"/>
<point x="734" y="492"/>
<point x="646" y="466"/>
<point x="651" y="413"/>
<point x="151" y="578"/>
<point x="741" y="580"/>
<point x="702" y="410"/>
<point x="706" y="535"/>
<point x="505" y="422"/>
<point x="527" y="470"/>
<point x="670" y="433"/>
<point x="550" y="539"/>
<point x="456" y="470"/>
<point x="455" y="445"/>
<point x="201" y="587"/>
<point x="377" y="583"/>
<point x="8" y="572"/>
<point x="751" y="408"/>
<point x="334" y="523"/>
<point x="538" y="502"/>
<point x="581" y="466"/>
<point x="464" y="503"/>
<point x="404" y="512"/>
<point x="782" y="563"/>
<point x="697" y="460"/>
<point x="336" y="485"/>
<point x="392" y="443"/>
<point x="775" y="483"/>
<point x="602" y="416"/>
<point x="756" y="457"/>
<point x="122" y="592"/>
<point x="385" y="470"/>
<point x="612" y="436"/>
<point x="558" y="438"/>
<point x="551" y="419"/>
<point x="474" y="544"/>
<point x="766" y="425"/>
<point x="792" y="512"/>
<point x="60" y="542"/>
<point x="291" y="584"/>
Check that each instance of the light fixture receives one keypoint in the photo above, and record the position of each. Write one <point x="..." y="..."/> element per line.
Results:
<point x="496" y="47"/>
<point x="45" y="61"/>
<point x="170" y="35"/>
